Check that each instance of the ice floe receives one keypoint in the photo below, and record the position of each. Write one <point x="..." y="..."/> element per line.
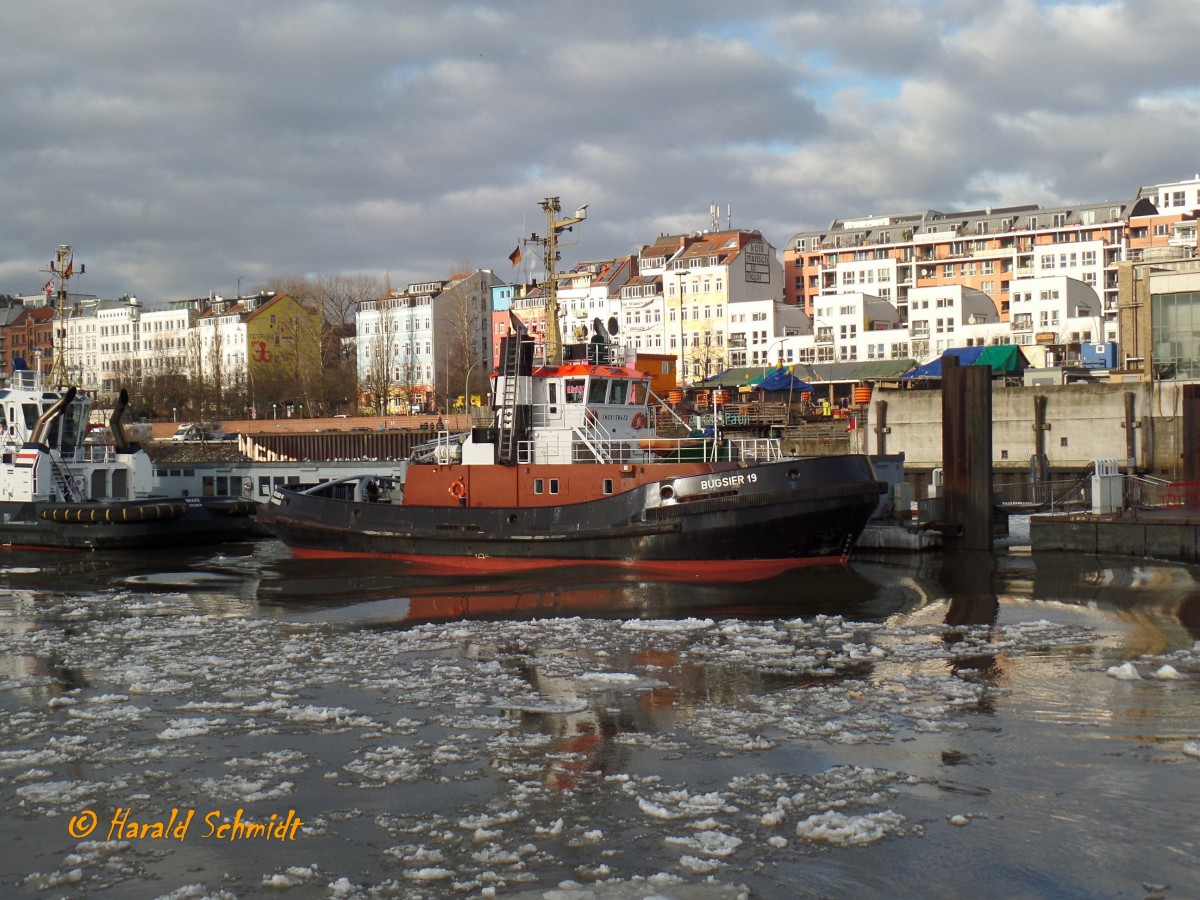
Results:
<point x="499" y="756"/>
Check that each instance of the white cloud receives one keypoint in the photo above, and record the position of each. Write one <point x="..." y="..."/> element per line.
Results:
<point x="182" y="147"/>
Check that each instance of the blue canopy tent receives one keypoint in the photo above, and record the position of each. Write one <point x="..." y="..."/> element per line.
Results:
<point x="966" y="357"/>
<point x="783" y="380"/>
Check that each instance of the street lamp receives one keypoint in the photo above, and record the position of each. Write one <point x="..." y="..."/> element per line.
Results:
<point x="779" y="343"/>
<point x="467" y="390"/>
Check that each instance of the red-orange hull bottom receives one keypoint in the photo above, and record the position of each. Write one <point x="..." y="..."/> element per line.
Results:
<point x="674" y="570"/>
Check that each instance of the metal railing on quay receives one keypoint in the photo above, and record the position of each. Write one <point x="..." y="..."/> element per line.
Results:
<point x="1148" y="492"/>
<point x="1044" y="496"/>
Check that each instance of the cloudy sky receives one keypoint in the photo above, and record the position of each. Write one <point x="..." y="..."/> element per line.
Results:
<point x="183" y="148"/>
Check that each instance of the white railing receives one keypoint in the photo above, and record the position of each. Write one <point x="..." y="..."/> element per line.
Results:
<point x="756" y="449"/>
<point x="94" y="453"/>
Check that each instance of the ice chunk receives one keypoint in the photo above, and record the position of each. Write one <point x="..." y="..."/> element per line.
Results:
<point x="1167" y="673"/>
<point x="838" y="828"/>
<point x="1124" y="672"/>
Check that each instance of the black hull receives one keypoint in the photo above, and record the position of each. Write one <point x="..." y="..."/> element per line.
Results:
<point x="794" y="512"/>
<point x="133" y="525"/>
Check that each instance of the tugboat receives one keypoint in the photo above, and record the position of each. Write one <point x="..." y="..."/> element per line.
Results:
<point x="59" y="490"/>
<point x="571" y="470"/>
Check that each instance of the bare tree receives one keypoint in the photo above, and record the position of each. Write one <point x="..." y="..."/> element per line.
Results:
<point x="707" y="353"/>
<point x="334" y="301"/>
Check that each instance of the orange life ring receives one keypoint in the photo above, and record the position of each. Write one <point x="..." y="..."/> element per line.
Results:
<point x="458" y="490"/>
<point x="640" y="420"/>
<point x="590" y="415"/>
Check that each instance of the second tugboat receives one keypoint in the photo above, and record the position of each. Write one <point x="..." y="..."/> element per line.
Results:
<point x="59" y="491"/>
<point x="571" y="470"/>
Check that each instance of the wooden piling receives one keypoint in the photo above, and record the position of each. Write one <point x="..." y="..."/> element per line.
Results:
<point x="1191" y="433"/>
<point x="966" y="456"/>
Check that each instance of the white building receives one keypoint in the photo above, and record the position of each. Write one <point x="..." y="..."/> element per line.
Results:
<point x="758" y="329"/>
<point x="1051" y="317"/>
<point x="428" y="339"/>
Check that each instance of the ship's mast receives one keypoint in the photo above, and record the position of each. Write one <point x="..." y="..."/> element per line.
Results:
<point x="550" y="257"/>
<point x="62" y="267"/>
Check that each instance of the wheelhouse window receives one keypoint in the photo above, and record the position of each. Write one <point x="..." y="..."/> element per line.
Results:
<point x="620" y="390"/>
<point x="575" y="390"/>
<point x="597" y="390"/>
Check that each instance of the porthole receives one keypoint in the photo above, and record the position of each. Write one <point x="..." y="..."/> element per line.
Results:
<point x="666" y="492"/>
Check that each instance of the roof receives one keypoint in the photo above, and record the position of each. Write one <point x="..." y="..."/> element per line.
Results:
<point x="1004" y="360"/>
<point x="871" y="370"/>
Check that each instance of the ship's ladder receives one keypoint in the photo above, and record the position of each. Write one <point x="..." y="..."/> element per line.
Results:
<point x="507" y="423"/>
<point x="595" y="437"/>
<point x="63" y="480"/>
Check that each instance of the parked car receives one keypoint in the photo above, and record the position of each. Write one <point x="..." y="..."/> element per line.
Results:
<point x="190" y="431"/>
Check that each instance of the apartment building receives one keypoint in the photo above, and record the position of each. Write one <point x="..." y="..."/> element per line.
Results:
<point x="984" y="250"/>
<point x="26" y="338"/>
<point x="430" y="340"/>
<point x="1052" y="318"/>
<point x="706" y="278"/>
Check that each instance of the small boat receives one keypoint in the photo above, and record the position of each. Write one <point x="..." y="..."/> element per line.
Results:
<point x="60" y="489"/>
<point x="572" y="469"/>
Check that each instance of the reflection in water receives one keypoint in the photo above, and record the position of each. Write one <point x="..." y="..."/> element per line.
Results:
<point x="307" y="586"/>
<point x="669" y="721"/>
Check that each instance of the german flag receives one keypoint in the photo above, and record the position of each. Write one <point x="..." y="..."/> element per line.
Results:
<point x="515" y="256"/>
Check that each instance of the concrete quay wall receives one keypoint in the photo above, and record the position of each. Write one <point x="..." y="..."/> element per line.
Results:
<point x="1158" y="534"/>
<point x="1139" y="424"/>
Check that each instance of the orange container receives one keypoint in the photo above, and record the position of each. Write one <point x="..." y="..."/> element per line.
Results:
<point x="862" y="395"/>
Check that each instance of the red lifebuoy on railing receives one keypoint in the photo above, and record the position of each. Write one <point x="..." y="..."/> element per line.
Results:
<point x="640" y="420"/>
<point x="458" y="490"/>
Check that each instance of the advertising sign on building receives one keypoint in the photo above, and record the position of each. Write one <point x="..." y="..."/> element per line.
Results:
<point x="758" y="263"/>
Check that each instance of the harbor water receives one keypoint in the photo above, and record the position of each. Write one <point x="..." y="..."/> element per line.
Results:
<point x="238" y="723"/>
